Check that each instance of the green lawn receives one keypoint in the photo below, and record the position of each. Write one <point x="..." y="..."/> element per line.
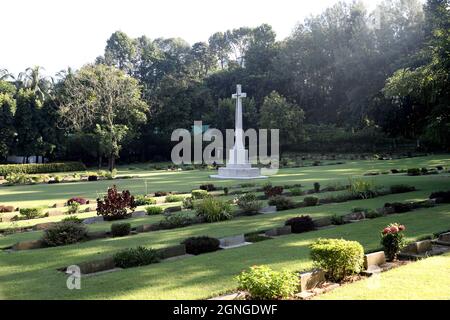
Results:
<point x="428" y="279"/>
<point x="32" y="274"/>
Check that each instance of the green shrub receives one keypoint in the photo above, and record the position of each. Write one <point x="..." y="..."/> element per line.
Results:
<point x="225" y="191"/>
<point x="337" y="220"/>
<point x="248" y="185"/>
<point x="249" y="204"/>
<point x="199" y="194"/>
<point x="135" y="257"/>
<point x="311" y="201"/>
<point x="401" y="188"/>
<point x="281" y="202"/>
<point x="213" y="210"/>
<point x="413" y="172"/>
<point x="18" y="178"/>
<point x="363" y="189"/>
<point x="152" y="211"/>
<point x="199" y="245"/>
<point x="392" y="240"/>
<point x="373" y="214"/>
<point x="188" y="203"/>
<point x="208" y="187"/>
<point x="120" y="229"/>
<point x="296" y="191"/>
<point x="30" y="213"/>
<point x="300" y="224"/>
<point x="263" y="283"/>
<point x="339" y="258"/>
<point x="73" y="219"/>
<point x="7" y="169"/>
<point x="144" y="200"/>
<point x="316" y="187"/>
<point x="174" y="198"/>
<point x="73" y="208"/>
<point x="176" y="220"/>
<point x="64" y="233"/>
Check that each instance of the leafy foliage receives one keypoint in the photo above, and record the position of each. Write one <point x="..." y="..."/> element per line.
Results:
<point x="115" y="205"/>
<point x="199" y="245"/>
<point x="136" y="257"/>
<point x="214" y="210"/>
<point x="64" y="233"/>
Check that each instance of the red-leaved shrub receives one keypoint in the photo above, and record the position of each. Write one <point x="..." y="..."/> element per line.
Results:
<point x="79" y="200"/>
<point x="116" y="205"/>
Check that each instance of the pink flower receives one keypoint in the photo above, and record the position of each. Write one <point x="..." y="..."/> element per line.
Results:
<point x="401" y="227"/>
<point x="386" y="230"/>
<point x="394" y="229"/>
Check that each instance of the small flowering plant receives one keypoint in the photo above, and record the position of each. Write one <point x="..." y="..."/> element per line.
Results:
<point x="392" y="240"/>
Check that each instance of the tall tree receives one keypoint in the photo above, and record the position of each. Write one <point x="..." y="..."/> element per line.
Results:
<point x="105" y="101"/>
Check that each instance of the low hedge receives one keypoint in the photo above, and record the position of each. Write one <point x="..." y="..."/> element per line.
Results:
<point x="34" y="168"/>
<point x="199" y="245"/>
<point x="338" y="257"/>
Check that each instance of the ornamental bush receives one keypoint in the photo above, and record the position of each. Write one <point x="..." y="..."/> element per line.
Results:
<point x="199" y="194"/>
<point x="213" y="210"/>
<point x="316" y="187"/>
<point x="141" y="200"/>
<point x="401" y="188"/>
<point x="281" y="202"/>
<point x="63" y="233"/>
<point x="296" y="191"/>
<point x="300" y="224"/>
<point x="73" y="208"/>
<point x="120" y="229"/>
<point x="310" y="201"/>
<point x="413" y="172"/>
<point x="270" y="191"/>
<point x="30" y="213"/>
<point x="249" y="204"/>
<point x="152" y="211"/>
<point x="7" y="169"/>
<point x="339" y="258"/>
<point x="174" y="198"/>
<point x="116" y="205"/>
<point x="392" y="240"/>
<point x="208" y="187"/>
<point x="176" y="220"/>
<point x="79" y="200"/>
<point x="199" y="245"/>
<point x="263" y="283"/>
<point x="135" y="257"/>
<point x="441" y="196"/>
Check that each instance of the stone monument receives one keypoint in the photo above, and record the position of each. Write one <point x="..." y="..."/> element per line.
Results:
<point x="238" y="166"/>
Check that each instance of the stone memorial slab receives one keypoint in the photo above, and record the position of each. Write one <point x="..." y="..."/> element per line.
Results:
<point x="233" y="242"/>
<point x="97" y="235"/>
<point x="444" y="237"/>
<point x="97" y="265"/>
<point x="172" y="209"/>
<point x="374" y="259"/>
<point x="93" y="220"/>
<point x="322" y="222"/>
<point x="43" y="226"/>
<point x="279" y="231"/>
<point x="269" y="209"/>
<point x="28" y="245"/>
<point x="310" y="280"/>
<point x="173" y="251"/>
<point x="138" y="214"/>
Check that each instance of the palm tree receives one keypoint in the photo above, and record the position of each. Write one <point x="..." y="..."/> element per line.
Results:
<point x="4" y="74"/>
<point x="33" y="79"/>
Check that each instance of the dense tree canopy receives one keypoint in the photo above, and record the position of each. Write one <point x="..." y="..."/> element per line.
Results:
<point x="346" y="74"/>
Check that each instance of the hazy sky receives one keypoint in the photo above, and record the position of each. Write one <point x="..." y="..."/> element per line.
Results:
<point x="56" y="34"/>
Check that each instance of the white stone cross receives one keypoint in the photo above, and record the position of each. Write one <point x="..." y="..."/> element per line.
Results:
<point x="239" y="132"/>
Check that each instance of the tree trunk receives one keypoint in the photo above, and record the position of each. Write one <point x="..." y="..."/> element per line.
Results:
<point x="112" y="162"/>
<point x="100" y="162"/>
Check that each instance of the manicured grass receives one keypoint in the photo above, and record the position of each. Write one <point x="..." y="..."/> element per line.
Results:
<point x="428" y="279"/>
<point x="32" y="273"/>
<point x="150" y="181"/>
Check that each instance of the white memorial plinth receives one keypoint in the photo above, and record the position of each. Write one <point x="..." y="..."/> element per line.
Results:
<point x="238" y="166"/>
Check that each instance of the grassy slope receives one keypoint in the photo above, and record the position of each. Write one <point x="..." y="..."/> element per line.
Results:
<point x="48" y="194"/>
<point x="32" y="274"/>
<point x="427" y="279"/>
